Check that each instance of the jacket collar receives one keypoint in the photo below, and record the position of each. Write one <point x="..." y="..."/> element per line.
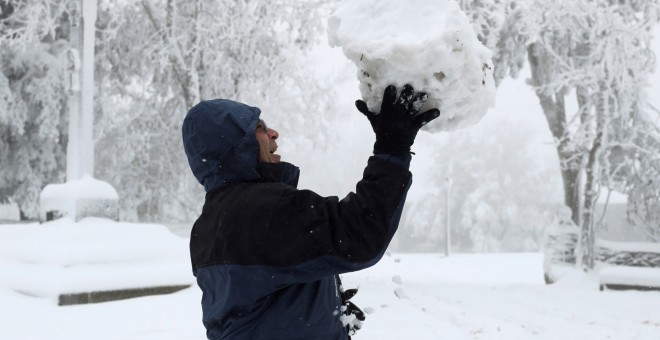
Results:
<point x="281" y="172"/>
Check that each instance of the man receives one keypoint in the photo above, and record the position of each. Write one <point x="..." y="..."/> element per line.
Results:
<point x="266" y="254"/>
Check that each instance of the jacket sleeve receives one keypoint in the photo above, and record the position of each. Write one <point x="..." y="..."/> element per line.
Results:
<point x="311" y="237"/>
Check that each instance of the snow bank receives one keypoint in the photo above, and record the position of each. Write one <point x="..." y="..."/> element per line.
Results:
<point x="45" y="260"/>
<point x="430" y="45"/>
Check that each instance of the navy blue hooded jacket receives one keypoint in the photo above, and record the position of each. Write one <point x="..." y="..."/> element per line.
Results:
<point x="265" y="253"/>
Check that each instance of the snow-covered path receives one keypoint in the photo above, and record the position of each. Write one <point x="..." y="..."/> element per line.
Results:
<point x="486" y="296"/>
<point x="525" y="312"/>
<point x="497" y="296"/>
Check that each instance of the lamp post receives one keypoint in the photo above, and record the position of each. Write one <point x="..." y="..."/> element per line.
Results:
<point x="80" y="149"/>
<point x="448" y="183"/>
<point x="82" y="195"/>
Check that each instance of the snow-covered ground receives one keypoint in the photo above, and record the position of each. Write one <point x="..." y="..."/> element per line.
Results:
<point x="407" y="296"/>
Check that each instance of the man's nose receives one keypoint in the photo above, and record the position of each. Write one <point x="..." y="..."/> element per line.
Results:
<point x="273" y="133"/>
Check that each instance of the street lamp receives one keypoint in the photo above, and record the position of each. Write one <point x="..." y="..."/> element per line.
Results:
<point x="448" y="184"/>
<point x="80" y="149"/>
<point x="82" y="195"/>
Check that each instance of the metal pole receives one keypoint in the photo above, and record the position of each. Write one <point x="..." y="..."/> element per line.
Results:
<point x="89" y="8"/>
<point x="80" y="149"/>
<point x="448" y="181"/>
<point x="74" y="102"/>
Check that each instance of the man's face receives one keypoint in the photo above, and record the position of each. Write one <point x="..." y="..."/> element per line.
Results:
<point x="267" y="145"/>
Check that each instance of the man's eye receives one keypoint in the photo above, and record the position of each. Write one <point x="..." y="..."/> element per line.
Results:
<point x="262" y="125"/>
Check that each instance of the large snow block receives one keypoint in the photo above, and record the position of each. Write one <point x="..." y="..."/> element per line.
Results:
<point x="86" y="197"/>
<point x="430" y="45"/>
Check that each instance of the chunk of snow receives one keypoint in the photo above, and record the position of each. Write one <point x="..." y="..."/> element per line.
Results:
<point x="430" y="45"/>
<point x="400" y="293"/>
<point x="397" y="279"/>
<point x="350" y="321"/>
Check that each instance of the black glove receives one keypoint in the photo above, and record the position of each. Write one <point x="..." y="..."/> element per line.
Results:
<point x="349" y="308"/>
<point x="399" y="120"/>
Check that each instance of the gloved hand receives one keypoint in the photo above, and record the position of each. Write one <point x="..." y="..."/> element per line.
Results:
<point x="352" y="317"/>
<point x="399" y="120"/>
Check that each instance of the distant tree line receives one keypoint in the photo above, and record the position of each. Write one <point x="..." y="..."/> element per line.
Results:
<point x="154" y="60"/>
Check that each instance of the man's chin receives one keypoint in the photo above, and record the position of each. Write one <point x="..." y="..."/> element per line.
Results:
<point x="274" y="158"/>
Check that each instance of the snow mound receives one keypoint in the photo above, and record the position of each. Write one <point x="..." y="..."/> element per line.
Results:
<point x="430" y="45"/>
<point x="79" y="198"/>
<point x="61" y="257"/>
<point x="400" y="293"/>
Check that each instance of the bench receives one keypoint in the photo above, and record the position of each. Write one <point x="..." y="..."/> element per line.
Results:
<point x="627" y="277"/>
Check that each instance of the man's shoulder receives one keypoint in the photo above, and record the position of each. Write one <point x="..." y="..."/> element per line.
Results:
<point x="235" y="223"/>
<point x="247" y="188"/>
<point x="246" y="196"/>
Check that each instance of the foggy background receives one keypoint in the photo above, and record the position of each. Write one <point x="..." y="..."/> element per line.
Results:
<point x="505" y="172"/>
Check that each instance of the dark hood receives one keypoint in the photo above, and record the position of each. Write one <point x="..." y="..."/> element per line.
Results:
<point x="219" y="141"/>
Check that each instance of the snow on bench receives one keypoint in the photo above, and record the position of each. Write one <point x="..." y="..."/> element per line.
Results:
<point x="636" y="265"/>
<point x="623" y="277"/>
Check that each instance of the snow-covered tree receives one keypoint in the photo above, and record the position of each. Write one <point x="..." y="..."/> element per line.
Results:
<point x="589" y="60"/>
<point x="188" y="51"/>
<point x="498" y="27"/>
<point x="33" y="85"/>
<point x="597" y="53"/>
<point x="634" y="168"/>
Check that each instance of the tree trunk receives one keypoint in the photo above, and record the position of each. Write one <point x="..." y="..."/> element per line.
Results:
<point x="605" y="107"/>
<point x="554" y="110"/>
<point x="571" y="192"/>
<point x="587" y="235"/>
<point x="23" y="216"/>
